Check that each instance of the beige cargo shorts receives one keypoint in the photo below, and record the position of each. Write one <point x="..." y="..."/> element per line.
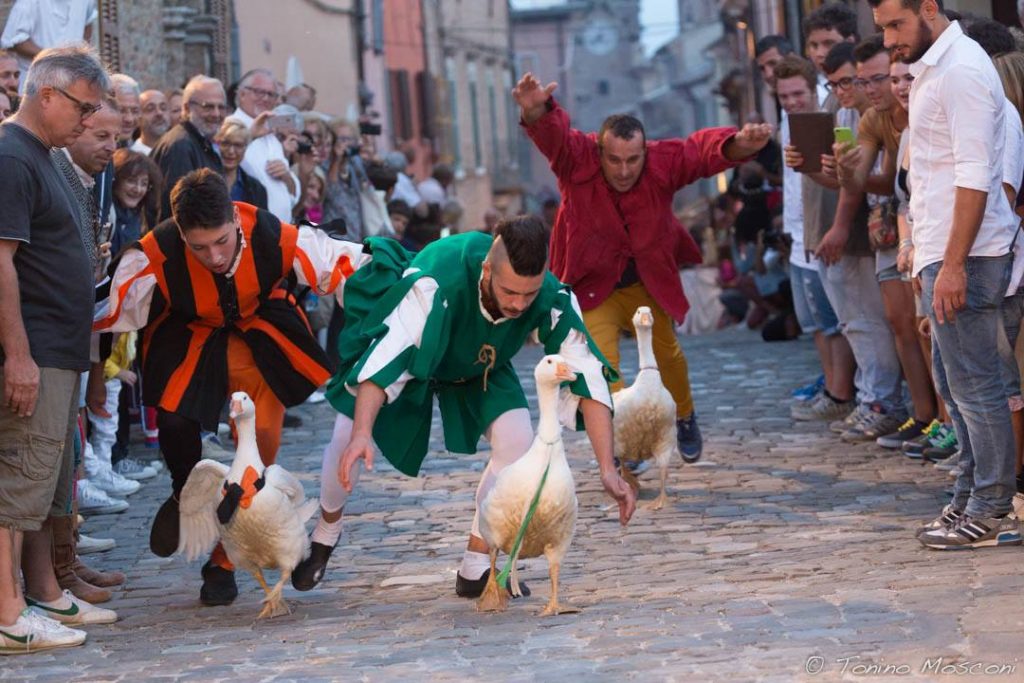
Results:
<point x="37" y="453"/>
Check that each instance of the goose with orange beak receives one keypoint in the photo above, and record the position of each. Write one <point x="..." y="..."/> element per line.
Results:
<point x="531" y="511"/>
<point x="258" y="513"/>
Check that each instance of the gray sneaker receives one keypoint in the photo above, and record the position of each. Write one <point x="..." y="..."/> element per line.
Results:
<point x="974" y="532"/>
<point x="949" y="464"/>
<point x="947" y="518"/>
<point x="130" y="468"/>
<point x="873" y="424"/>
<point x="848" y="422"/>
<point x="822" y="408"/>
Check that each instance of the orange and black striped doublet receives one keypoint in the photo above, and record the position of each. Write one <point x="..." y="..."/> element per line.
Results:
<point x="193" y="312"/>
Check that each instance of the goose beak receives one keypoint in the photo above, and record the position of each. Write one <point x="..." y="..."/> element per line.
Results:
<point x="236" y="409"/>
<point x="564" y="373"/>
<point x="646" y="319"/>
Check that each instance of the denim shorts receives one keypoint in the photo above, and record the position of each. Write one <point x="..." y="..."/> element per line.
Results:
<point x="813" y="311"/>
<point x="888" y="274"/>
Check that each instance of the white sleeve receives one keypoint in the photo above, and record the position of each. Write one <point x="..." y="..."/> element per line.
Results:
<point x="20" y="24"/>
<point x="585" y="364"/>
<point x="405" y="328"/>
<point x="324" y="263"/>
<point x="131" y="292"/>
<point x="1013" y="152"/>
<point x="973" y="124"/>
<point x="293" y="197"/>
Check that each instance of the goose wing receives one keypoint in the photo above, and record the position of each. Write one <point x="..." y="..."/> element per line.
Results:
<point x="283" y="480"/>
<point x="198" y="508"/>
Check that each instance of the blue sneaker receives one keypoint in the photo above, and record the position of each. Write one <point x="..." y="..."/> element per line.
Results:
<point x="691" y="444"/>
<point x="636" y="467"/>
<point x="806" y="393"/>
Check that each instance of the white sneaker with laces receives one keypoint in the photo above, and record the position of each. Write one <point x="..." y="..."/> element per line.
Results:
<point x="32" y="632"/>
<point x="92" y="500"/>
<point x="113" y="483"/>
<point x="73" y="611"/>
<point x="88" y="544"/>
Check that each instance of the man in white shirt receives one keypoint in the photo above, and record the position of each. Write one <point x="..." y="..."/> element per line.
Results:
<point x="961" y="257"/>
<point x="153" y="122"/>
<point x="265" y="159"/>
<point x="34" y="25"/>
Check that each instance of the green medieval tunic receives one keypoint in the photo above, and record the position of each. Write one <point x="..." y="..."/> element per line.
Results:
<point x="415" y="326"/>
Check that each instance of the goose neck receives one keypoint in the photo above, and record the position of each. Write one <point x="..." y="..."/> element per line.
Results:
<point x="548" y="429"/>
<point x="645" y="347"/>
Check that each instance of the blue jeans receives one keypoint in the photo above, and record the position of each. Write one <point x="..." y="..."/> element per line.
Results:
<point x="813" y="311"/>
<point x="968" y="376"/>
<point x="852" y="288"/>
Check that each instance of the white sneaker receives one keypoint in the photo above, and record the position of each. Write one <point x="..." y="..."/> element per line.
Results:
<point x="130" y="468"/>
<point x="92" y="500"/>
<point x="88" y="544"/>
<point x="317" y="397"/>
<point x="33" y="632"/>
<point x="113" y="483"/>
<point x="73" y="611"/>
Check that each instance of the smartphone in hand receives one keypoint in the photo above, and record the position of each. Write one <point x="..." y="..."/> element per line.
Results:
<point x="844" y="136"/>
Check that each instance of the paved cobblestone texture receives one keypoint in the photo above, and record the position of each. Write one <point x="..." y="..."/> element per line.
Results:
<point x="785" y="552"/>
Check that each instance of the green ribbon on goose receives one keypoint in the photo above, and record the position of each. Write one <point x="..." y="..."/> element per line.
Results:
<point x="514" y="553"/>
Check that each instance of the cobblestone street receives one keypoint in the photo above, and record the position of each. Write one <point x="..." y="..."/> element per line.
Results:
<point x="784" y="555"/>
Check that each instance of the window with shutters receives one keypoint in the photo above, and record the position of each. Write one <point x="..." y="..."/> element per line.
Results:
<point x="110" y="43"/>
<point x="401" y="104"/>
<point x="426" y="97"/>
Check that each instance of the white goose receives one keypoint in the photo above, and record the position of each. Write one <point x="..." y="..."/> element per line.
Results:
<point x="258" y="513"/>
<point x="645" y="412"/>
<point x="551" y="529"/>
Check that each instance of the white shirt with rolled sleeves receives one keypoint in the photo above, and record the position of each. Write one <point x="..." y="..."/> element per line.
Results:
<point x="47" y="23"/>
<point x="280" y="201"/>
<point x="957" y="139"/>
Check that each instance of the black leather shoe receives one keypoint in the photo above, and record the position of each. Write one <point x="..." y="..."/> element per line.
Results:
<point x="219" y="587"/>
<point x="310" y="571"/>
<point x="468" y="588"/>
<point x="163" y="536"/>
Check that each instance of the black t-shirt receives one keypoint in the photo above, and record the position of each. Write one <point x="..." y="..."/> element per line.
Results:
<point x="54" y="276"/>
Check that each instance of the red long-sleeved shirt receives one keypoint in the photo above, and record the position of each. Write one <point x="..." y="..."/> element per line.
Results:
<point x="599" y="229"/>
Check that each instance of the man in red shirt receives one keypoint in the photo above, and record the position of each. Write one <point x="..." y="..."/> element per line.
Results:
<point x="616" y="240"/>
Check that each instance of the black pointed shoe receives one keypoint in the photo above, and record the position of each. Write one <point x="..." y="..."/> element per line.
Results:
<point x="219" y="587"/>
<point x="468" y="588"/>
<point x="310" y="571"/>
<point x="163" y="536"/>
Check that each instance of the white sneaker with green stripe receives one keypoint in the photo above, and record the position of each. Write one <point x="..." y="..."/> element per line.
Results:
<point x="73" y="611"/>
<point x="33" y="632"/>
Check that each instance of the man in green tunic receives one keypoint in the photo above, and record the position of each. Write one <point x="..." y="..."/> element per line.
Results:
<point x="447" y="323"/>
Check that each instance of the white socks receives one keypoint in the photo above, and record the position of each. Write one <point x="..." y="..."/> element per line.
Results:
<point x="327" y="533"/>
<point x="474" y="565"/>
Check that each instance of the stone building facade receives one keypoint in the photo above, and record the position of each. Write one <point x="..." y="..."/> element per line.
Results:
<point x="162" y="43"/>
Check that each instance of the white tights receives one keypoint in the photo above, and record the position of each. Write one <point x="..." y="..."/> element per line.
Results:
<point x="510" y="436"/>
<point x="332" y="495"/>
